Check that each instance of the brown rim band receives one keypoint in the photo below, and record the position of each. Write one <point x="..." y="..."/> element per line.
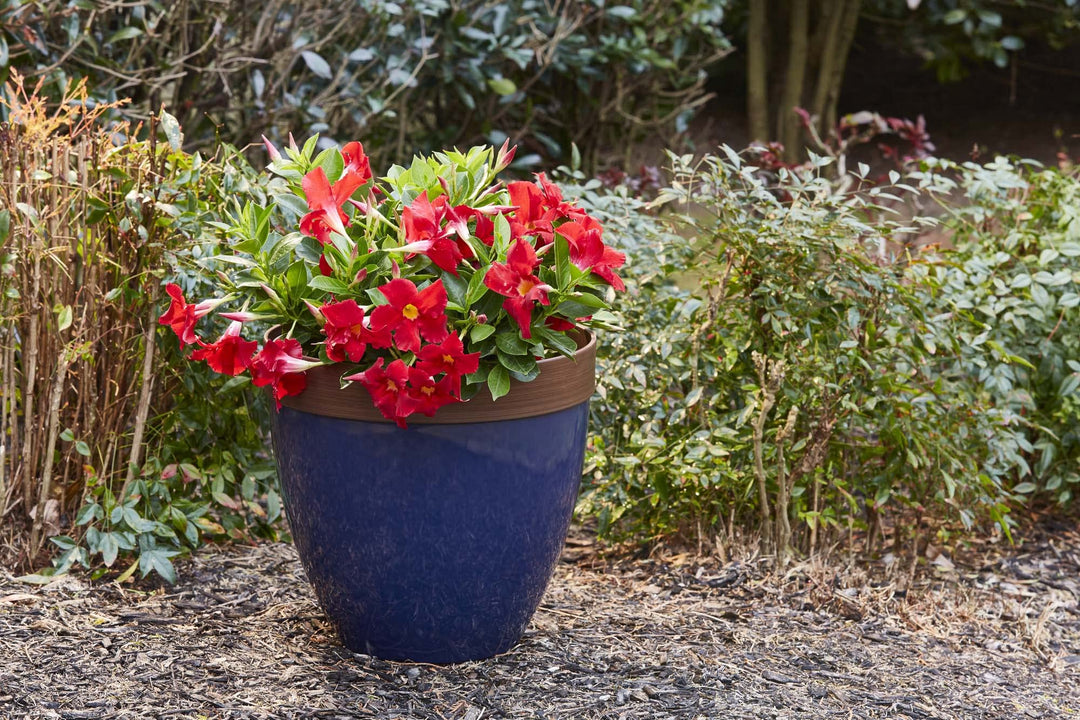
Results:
<point x="561" y="384"/>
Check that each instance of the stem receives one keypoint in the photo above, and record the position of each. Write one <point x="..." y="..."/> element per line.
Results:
<point x="143" y="410"/>
<point x="55" y="395"/>
<point x="769" y="378"/>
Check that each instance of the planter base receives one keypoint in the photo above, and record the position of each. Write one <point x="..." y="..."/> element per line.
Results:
<point x="431" y="544"/>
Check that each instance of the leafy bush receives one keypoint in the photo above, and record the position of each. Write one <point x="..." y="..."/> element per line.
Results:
<point x="399" y="76"/>
<point x="1012" y="291"/>
<point x="783" y="371"/>
<point x="108" y="449"/>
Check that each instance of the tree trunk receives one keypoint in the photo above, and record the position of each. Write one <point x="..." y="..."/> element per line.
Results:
<point x="757" y="62"/>
<point x="849" y="22"/>
<point x="832" y="19"/>
<point x="788" y="123"/>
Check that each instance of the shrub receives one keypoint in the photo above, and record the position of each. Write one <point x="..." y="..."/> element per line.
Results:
<point x="1011" y="290"/>
<point x="775" y="375"/>
<point x="106" y="448"/>
<point x="402" y="76"/>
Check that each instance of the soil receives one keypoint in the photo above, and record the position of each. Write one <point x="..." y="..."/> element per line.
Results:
<point x="987" y="633"/>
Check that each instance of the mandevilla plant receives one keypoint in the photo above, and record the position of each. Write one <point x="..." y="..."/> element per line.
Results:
<point x="425" y="284"/>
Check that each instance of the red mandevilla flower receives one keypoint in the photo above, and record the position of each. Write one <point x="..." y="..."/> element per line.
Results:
<point x="411" y="314"/>
<point x="423" y="230"/>
<point x="448" y="357"/>
<point x="231" y="354"/>
<point x="181" y="316"/>
<point x="515" y="280"/>
<point x="280" y="364"/>
<point x="357" y="165"/>
<point x="387" y="388"/>
<point x="346" y="335"/>
<point x="531" y="216"/>
<point x="588" y="251"/>
<point x="426" y="396"/>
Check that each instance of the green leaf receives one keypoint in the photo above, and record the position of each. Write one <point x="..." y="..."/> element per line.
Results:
<point x="329" y="284"/>
<point x="82" y="448"/>
<point x="476" y="290"/>
<point x="317" y="64"/>
<point x="87" y="513"/>
<point x="273" y="506"/>
<point x="125" y="33"/>
<point x="157" y="560"/>
<point x="331" y="162"/>
<point x="63" y="317"/>
<point x="456" y="289"/>
<point x="1024" y="488"/>
<point x="109" y="549"/>
<point x="5" y="222"/>
<point x="955" y="17"/>
<point x="523" y="365"/>
<point x="502" y="86"/>
<point x="502" y="236"/>
<point x="563" y="343"/>
<point x="510" y="342"/>
<point x="563" y="275"/>
<point x="481" y="332"/>
<point x="171" y="128"/>
<point x="498" y="381"/>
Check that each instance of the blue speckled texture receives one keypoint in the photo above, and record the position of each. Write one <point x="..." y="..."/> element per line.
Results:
<point x="435" y="543"/>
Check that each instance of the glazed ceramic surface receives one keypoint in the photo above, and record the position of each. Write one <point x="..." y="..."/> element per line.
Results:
<point x="433" y="543"/>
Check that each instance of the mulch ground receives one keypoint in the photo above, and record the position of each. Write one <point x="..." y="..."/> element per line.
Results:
<point x="992" y="636"/>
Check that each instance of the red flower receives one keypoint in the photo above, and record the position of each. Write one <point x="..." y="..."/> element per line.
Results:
<point x="552" y="200"/>
<point x="387" y="389"/>
<point x="280" y="364"/>
<point x="588" y="251"/>
<point x="325" y="204"/>
<point x="531" y="216"/>
<point x="411" y="314"/>
<point x="515" y="280"/>
<point x="448" y="357"/>
<point x="606" y="267"/>
<point x="425" y="395"/>
<point x="423" y="228"/>
<point x="324" y="266"/>
<point x="559" y="324"/>
<point x="231" y="354"/>
<point x="357" y="165"/>
<point x="181" y="316"/>
<point x="346" y="334"/>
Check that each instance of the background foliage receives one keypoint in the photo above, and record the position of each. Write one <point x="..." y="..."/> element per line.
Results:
<point x="798" y="366"/>
<point x="399" y="76"/>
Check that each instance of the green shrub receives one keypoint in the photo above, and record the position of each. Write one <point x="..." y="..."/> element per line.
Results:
<point x="1012" y="290"/>
<point x="781" y="371"/>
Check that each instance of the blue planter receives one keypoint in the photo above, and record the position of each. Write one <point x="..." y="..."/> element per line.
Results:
<point x="433" y="543"/>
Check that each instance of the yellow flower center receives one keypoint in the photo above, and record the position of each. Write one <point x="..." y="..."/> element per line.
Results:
<point x="525" y="286"/>
<point x="391" y="386"/>
<point x="357" y="328"/>
<point x="427" y="390"/>
<point x="409" y="312"/>
<point x="448" y="359"/>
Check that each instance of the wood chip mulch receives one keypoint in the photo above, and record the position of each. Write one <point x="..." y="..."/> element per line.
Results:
<point x="664" y="637"/>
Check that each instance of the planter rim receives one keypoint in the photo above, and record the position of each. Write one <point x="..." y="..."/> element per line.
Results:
<point x="561" y="384"/>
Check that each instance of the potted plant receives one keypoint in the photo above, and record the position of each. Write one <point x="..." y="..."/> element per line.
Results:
<point x="431" y="355"/>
